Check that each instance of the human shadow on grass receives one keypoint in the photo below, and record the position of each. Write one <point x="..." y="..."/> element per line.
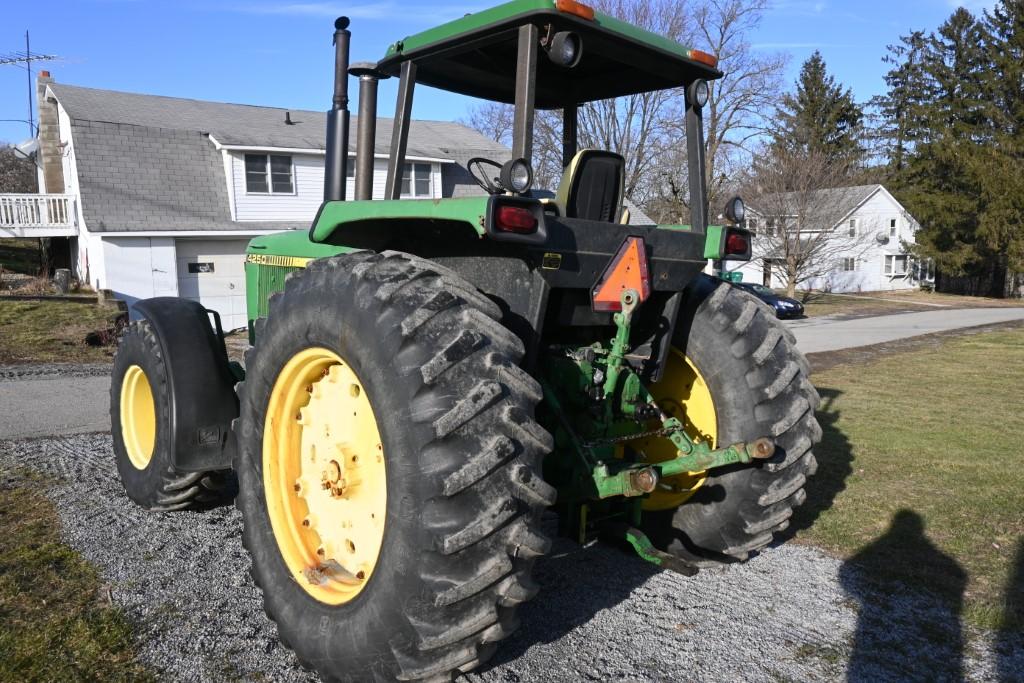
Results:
<point x="1009" y="646"/>
<point x="911" y="598"/>
<point x="834" y="455"/>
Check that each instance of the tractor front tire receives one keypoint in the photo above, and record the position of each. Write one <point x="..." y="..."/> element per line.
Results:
<point x="758" y="381"/>
<point x="140" y="421"/>
<point x="417" y="577"/>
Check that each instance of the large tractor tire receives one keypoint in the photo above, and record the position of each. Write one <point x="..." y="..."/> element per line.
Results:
<point x="742" y="378"/>
<point x="387" y="466"/>
<point x="140" y="421"/>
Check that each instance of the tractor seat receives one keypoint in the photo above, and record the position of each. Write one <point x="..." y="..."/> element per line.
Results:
<point x="592" y="186"/>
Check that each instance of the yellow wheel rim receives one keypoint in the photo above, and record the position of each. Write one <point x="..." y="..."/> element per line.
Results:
<point x="324" y="476"/>
<point x="683" y="394"/>
<point x="138" y="417"/>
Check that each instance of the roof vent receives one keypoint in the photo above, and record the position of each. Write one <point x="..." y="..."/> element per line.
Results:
<point x="288" y="119"/>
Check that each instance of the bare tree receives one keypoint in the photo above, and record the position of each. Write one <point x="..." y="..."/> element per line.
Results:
<point x="648" y="128"/>
<point x="17" y="174"/>
<point x="734" y="117"/>
<point x="641" y="127"/>
<point x="797" y="201"/>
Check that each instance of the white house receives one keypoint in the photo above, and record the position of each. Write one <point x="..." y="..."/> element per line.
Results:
<point x="158" y="196"/>
<point x="866" y="247"/>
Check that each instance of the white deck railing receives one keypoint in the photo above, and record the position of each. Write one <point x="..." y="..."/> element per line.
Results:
<point x="37" y="215"/>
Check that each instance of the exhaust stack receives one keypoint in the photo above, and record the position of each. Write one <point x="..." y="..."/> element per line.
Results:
<point x="338" y="117"/>
<point x="366" y="126"/>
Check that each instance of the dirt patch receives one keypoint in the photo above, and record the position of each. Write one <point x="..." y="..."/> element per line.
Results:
<point x="237" y="343"/>
<point x="861" y="355"/>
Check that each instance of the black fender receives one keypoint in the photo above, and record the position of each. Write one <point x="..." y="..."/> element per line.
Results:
<point x="202" y="397"/>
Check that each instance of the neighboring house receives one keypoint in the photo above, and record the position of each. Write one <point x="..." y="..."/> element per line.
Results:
<point x="866" y="247"/>
<point x="158" y="196"/>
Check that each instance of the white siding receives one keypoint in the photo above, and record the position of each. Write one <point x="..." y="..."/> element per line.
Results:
<point x="302" y="205"/>
<point x="222" y="289"/>
<point x="308" y="177"/>
<point x="873" y="219"/>
<point x="138" y="267"/>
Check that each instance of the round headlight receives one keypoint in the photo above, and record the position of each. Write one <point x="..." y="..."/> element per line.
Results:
<point x="699" y="93"/>
<point x="735" y="210"/>
<point x="566" y="49"/>
<point x="516" y="176"/>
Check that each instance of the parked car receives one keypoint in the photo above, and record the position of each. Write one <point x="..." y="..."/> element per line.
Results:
<point x="784" y="306"/>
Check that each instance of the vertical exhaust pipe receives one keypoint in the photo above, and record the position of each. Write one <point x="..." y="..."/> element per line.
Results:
<point x="366" y="126"/>
<point x="336" y="160"/>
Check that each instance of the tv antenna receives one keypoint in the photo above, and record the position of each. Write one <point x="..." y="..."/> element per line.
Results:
<point x="26" y="58"/>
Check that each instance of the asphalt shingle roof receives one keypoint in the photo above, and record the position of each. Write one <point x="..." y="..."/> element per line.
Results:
<point x="146" y="162"/>
<point x="253" y="126"/>
<point x="839" y="200"/>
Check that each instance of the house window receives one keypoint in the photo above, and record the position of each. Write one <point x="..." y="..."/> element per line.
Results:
<point x="416" y="180"/>
<point x="849" y="265"/>
<point x="853" y="227"/>
<point x="268" y="173"/>
<point x="896" y="265"/>
<point x="770" y="227"/>
<point x="892" y="227"/>
<point x="752" y="224"/>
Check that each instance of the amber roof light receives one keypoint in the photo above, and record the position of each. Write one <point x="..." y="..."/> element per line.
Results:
<point x="577" y="8"/>
<point x="703" y="57"/>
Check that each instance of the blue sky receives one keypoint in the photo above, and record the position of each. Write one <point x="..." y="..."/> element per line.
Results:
<point x="279" y="53"/>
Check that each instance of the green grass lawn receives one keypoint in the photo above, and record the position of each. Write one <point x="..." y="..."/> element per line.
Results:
<point x="938" y="433"/>
<point x="20" y="255"/>
<point x="55" y="331"/>
<point x="817" y="304"/>
<point x="55" y="623"/>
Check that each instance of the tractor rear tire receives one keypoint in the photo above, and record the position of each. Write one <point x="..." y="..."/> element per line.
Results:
<point x="140" y="426"/>
<point x="758" y="381"/>
<point x="461" y="453"/>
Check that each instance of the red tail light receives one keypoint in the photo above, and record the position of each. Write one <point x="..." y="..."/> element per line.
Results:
<point x="515" y="219"/>
<point x="736" y="244"/>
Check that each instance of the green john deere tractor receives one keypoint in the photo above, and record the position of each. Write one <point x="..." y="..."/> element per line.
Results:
<point x="427" y="377"/>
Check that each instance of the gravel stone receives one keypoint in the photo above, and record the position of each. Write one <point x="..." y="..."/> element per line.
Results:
<point x="791" y="614"/>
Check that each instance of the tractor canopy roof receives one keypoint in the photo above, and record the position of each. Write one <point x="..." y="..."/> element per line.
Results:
<point x="476" y="55"/>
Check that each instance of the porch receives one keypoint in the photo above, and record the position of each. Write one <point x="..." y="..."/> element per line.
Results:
<point x="38" y="215"/>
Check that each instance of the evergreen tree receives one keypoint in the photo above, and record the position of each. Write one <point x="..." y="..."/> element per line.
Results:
<point x="935" y="183"/>
<point x="820" y="117"/>
<point x="1001" y="225"/>
<point x="900" y="108"/>
<point x="954" y="122"/>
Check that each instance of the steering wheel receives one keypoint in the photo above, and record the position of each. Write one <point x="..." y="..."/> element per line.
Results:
<point x="475" y="166"/>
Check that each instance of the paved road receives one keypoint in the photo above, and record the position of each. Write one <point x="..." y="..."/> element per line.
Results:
<point x="33" y="407"/>
<point x="830" y="333"/>
<point x="68" y="404"/>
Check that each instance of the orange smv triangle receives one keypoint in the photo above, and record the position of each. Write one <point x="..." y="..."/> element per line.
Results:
<point x="628" y="270"/>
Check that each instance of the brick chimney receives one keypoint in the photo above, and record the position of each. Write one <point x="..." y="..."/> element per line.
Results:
<point x="49" y="138"/>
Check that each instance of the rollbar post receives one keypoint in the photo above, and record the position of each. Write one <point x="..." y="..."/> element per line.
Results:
<point x="526" y="90"/>
<point x="570" y="134"/>
<point x="400" y="133"/>
<point x="696" y="165"/>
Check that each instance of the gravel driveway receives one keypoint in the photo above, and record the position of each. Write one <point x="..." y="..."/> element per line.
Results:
<point x="789" y="614"/>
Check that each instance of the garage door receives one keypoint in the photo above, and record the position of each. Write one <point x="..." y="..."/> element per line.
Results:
<point x="212" y="272"/>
